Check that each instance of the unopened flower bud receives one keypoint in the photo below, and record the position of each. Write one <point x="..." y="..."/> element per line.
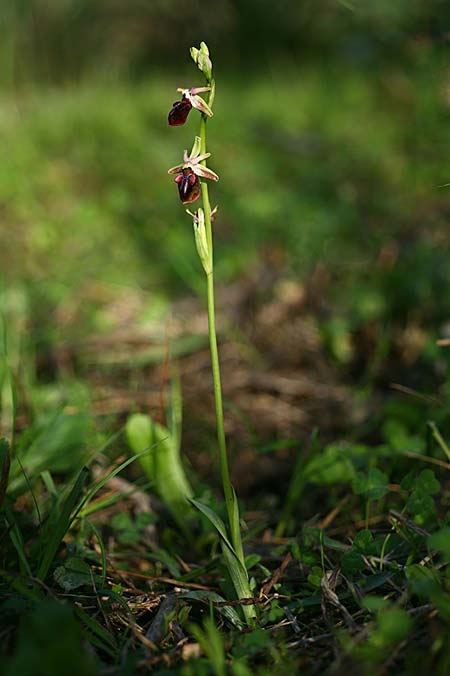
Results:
<point x="196" y="147"/>
<point x="201" y="58"/>
<point x="201" y="240"/>
<point x="194" y="54"/>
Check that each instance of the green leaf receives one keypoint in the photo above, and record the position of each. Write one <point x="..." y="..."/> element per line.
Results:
<point x="422" y="581"/>
<point x="374" y="603"/>
<point x="421" y="506"/>
<point x="162" y="464"/>
<point x="50" y="641"/>
<point x="228" y="612"/>
<point x="239" y="578"/>
<point x="234" y="565"/>
<point x="252" y="560"/>
<point x="441" y="542"/>
<point x="409" y="480"/>
<point x="332" y="466"/>
<point x="73" y="574"/>
<point x="171" y="482"/>
<point x="352" y="562"/>
<point x="315" y="577"/>
<point x="363" y="542"/>
<point x="214" y="519"/>
<point x="253" y="645"/>
<point x="139" y="433"/>
<point x="426" y="483"/>
<point x="394" y="624"/>
<point x="374" y="485"/>
<point x="56" y="443"/>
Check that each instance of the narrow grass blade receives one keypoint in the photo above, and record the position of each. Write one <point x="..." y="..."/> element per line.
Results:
<point x="439" y="438"/>
<point x="235" y="527"/>
<point x="102" y="548"/>
<point x="49" y="484"/>
<point x="96" y="634"/>
<point x="214" y="519"/>
<point x="239" y="578"/>
<point x="236" y="569"/>
<point x="212" y="642"/>
<point x="99" y="485"/>
<point x="58" y="527"/>
<point x="5" y="463"/>
<point x="15" y="535"/>
<point x="101" y="503"/>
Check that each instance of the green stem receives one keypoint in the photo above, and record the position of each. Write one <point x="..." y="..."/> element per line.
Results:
<point x="218" y="395"/>
<point x="224" y="469"/>
<point x="238" y="573"/>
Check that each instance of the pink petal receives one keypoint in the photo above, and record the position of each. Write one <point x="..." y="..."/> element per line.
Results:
<point x="199" y="158"/>
<point x="176" y="170"/>
<point x="200" y="104"/>
<point x="204" y="172"/>
<point x="197" y="90"/>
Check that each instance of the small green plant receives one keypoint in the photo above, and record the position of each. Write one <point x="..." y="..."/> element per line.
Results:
<point x="212" y="643"/>
<point x="191" y="177"/>
<point x="162" y="465"/>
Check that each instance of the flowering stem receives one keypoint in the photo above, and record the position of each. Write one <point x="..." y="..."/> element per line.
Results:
<point x="224" y="469"/>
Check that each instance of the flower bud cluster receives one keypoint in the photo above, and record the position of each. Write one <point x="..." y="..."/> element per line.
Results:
<point x="201" y="58"/>
<point x="191" y="169"/>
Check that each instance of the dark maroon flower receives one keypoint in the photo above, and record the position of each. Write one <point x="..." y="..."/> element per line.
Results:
<point x="187" y="173"/>
<point x="180" y="111"/>
<point x="188" y="185"/>
<point x="190" y="99"/>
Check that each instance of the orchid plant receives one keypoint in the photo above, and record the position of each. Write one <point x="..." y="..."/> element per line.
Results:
<point x="191" y="177"/>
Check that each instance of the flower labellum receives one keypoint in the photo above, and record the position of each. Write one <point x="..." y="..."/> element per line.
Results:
<point x="180" y="111"/>
<point x="189" y="99"/>
<point x="188" y="173"/>
<point x="188" y="185"/>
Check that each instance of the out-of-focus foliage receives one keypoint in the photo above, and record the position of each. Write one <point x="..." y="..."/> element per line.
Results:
<point x="319" y="165"/>
<point x="60" y="40"/>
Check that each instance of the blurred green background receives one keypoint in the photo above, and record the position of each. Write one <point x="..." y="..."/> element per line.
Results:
<point x="331" y="136"/>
